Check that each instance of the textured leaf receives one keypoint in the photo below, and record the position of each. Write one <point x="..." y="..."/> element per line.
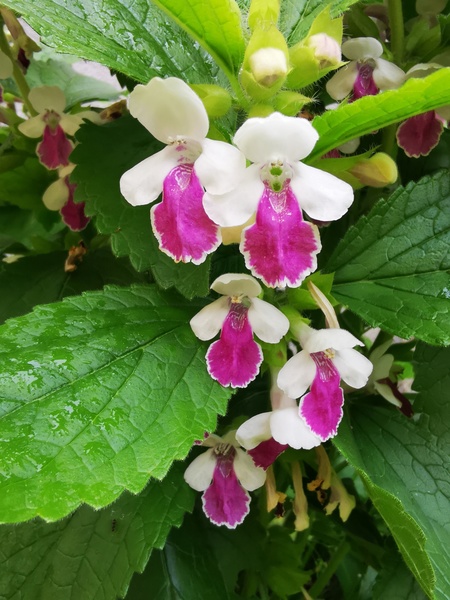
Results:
<point x="103" y="155"/>
<point x="395" y="582"/>
<point x="134" y="38"/>
<point x="370" y="113"/>
<point x="91" y="555"/>
<point x="104" y="391"/>
<point x="392" y="267"/>
<point x="41" y="279"/>
<point x="30" y="229"/>
<point x="25" y="184"/>
<point x="215" y="24"/>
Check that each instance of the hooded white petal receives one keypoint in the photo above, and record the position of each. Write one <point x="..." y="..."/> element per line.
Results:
<point x="254" y="431"/>
<point x="208" y="322"/>
<point x="341" y="84"/>
<point x="288" y="427"/>
<point x="387" y="76"/>
<point x="56" y="195"/>
<point x="168" y="108"/>
<point x="361" y="48"/>
<point x="48" y="97"/>
<point x="353" y="367"/>
<point x="267" y="322"/>
<point x="238" y="205"/>
<point x="220" y="166"/>
<point x="276" y="137"/>
<point x="321" y="195"/>
<point x="236" y="284"/>
<point x="250" y="476"/>
<point x="200" y="472"/>
<point x="297" y="375"/>
<point x="144" y="183"/>
<point x="337" y="339"/>
<point x="71" y="123"/>
<point x="33" y="127"/>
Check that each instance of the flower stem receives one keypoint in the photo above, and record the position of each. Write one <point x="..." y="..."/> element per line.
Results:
<point x="19" y="77"/>
<point x="397" y="30"/>
<point x="323" y="579"/>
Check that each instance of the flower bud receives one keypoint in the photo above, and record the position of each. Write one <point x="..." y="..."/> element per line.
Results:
<point x="216" y="100"/>
<point x="268" y="65"/>
<point x="290" y="103"/>
<point x="326" y="50"/>
<point x="377" y="171"/>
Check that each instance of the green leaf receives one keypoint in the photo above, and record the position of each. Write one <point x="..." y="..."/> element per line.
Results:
<point x="77" y="88"/>
<point x="25" y="184"/>
<point x="105" y="391"/>
<point x="392" y="267"/>
<point x="395" y="581"/>
<point x="41" y="279"/>
<point x="103" y="155"/>
<point x="136" y="39"/>
<point x="91" y="555"/>
<point x="296" y="17"/>
<point x="30" y="229"/>
<point x="370" y="113"/>
<point x="215" y="24"/>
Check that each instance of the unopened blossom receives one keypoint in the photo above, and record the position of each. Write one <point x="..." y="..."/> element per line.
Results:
<point x="326" y="50"/>
<point x="366" y="74"/>
<point x="6" y="69"/>
<point x="53" y="124"/>
<point x="235" y="358"/>
<point x="280" y="247"/>
<point x="175" y="115"/>
<point x="60" y="196"/>
<point x="327" y="356"/>
<point x="225" y="474"/>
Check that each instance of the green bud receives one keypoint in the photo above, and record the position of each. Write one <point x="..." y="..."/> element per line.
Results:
<point x="260" y="110"/>
<point x="263" y="12"/>
<point x="216" y="100"/>
<point x="290" y="103"/>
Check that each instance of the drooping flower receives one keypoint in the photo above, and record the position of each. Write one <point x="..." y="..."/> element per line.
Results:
<point x="54" y="125"/>
<point x="280" y="247"/>
<point x="60" y="196"/>
<point x="225" y="474"/>
<point x="366" y="74"/>
<point x="175" y="115"/>
<point x="235" y="358"/>
<point x="326" y="358"/>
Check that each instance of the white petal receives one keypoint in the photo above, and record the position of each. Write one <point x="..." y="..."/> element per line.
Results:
<point x="32" y="128"/>
<point x="208" y="322"/>
<point x="443" y="112"/>
<point x="276" y="137"/>
<point x="200" y="472"/>
<point x="56" y="195"/>
<point x="254" y="431"/>
<point x="381" y="367"/>
<point x="350" y="146"/>
<point x="385" y="391"/>
<point x="71" y="123"/>
<point x="363" y="47"/>
<point x="168" y="108"/>
<point x="250" y="476"/>
<point x="387" y="76"/>
<point x="236" y="284"/>
<point x="341" y="84"/>
<point x="321" y="195"/>
<point x="338" y="339"/>
<point x="288" y="427"/>
<point x="297" y="375"/>
<point x="238" y="205"/>
<point x="220" y="166"/>
<point x="267" y="322"/>
<point x="47" y="97"/>
<point x="353" y="367"/>
<point x="144" y="183"/>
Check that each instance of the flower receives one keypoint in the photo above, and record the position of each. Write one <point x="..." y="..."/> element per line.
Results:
<point x="6" y="66"/>
<point x="225" y="474"/>
<point x="326" y="358"/>
<point x="235" y="358"/>
<point x="280" y="247"/>
<point x="366" y="74"/>
<point x="175" y="115"/>
<point x="53" y="124"/>
<point x="59" y="196"/>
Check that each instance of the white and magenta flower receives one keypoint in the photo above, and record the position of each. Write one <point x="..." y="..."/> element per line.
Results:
<point x="268" y="434"/>
<point x="225" y="474"/>
<point x="60" y="196"/>
<point x="54" y="125"/>
<point x="175" y="115"/>
<point x="326" y="358"/>
<point x="235" y="358"/>
<point x="366" y="74"/>
<point x="280" y="247"/>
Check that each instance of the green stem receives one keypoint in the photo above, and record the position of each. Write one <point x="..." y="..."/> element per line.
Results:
<point x="389" y="141"/>
<point x="323" y="579"/>
<point x="397" y="30"/>
<point x="19" y="77"/>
